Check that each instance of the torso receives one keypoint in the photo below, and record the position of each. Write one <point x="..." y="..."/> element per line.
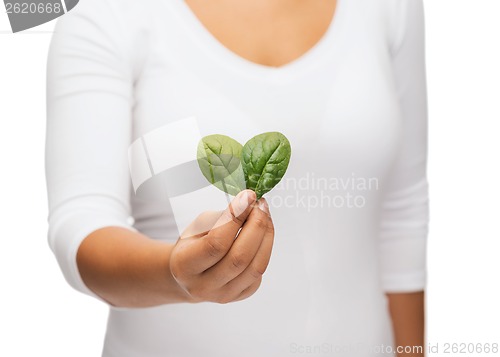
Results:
<point x="271" y="33"/>
<point x="336" y="103"/>
<point x="350" y="213"/>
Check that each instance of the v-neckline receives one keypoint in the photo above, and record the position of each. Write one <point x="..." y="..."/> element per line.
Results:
<point x="248" y="68"/>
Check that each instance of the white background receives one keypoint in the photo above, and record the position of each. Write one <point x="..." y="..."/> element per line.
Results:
<point x="42" y="316"/>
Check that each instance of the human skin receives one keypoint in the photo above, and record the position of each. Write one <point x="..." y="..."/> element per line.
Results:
<point x="129" y="269"/>
<point x="407" y="312"/>
<point x="206" y="264"/>
<point x="274" y="33"/>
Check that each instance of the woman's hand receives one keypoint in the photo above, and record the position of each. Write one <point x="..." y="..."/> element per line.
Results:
<point x="128" y="269"/>
<point x="215" y="261"/>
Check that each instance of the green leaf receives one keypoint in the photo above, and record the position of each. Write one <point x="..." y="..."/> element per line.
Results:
<point x="265" y="159"/>
<point x="219" y="161"/>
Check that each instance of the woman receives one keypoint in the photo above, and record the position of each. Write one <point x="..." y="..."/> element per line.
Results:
<point x="343" y="80"/>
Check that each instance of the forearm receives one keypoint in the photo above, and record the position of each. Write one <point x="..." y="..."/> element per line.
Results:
<point x="127" y="269"/>
<point x="407" y="313"/>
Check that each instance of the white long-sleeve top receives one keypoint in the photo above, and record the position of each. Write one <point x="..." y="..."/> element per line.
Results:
<point x="350" y="215"/>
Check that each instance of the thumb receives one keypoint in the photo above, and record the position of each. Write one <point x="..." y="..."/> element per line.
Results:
<point x="233" y="217"/>
<point x="213" y="246"/>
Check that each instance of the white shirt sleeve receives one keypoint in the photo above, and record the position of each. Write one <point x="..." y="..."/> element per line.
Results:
<point x="89" y="100"/>
<point x="405" y="208"/>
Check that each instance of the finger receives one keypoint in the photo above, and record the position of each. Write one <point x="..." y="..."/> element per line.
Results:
<point x="233" y="217"/>
<point x="249" y="291"/>
<point x="256" y="268"/>
<point x="244" y="249"/>
<point x="206" y="251"/>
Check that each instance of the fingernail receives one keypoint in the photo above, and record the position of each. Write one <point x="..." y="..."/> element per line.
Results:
<point x="263" y="205"/>
<point x="242" y="202"/>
